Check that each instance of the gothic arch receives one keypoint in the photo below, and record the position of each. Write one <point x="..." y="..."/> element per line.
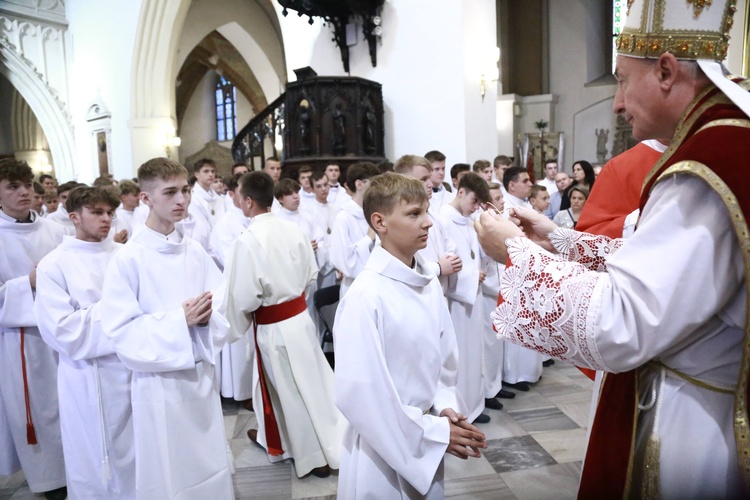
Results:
<point x="49" y="110"/>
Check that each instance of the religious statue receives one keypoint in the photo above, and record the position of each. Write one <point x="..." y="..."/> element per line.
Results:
<point x="602" y="135"/>
<point x="303" y="122"/>
<point x="339" y="130"/>
<point x="370" y="146"/>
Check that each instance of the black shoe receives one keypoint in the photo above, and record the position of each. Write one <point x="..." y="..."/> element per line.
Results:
<point x="519" y="386"/>
<point x="493" y="404"/>
<point x="321" y="472"/>
<point x="547" y="363"/>
<point x="505" y="394"/>
<point x="481" y="419"/>
<point x="58" y="494"/>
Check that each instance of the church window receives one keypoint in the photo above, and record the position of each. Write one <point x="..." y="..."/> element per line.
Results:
<point x="226" y="110"/>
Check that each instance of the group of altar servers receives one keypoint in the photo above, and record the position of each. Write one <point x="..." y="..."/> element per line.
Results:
<point x="134" y="343"/>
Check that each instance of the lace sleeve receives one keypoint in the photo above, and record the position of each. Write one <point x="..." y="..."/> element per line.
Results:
<point x="589" y="250"/>
<point x="550" y="305"/>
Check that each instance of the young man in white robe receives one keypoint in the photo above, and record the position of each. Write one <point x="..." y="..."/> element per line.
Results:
<point x="61" y="214"/>
<point x="93" y="384"/>
<point x="440" y="251"/>
<point x="163" y="297"/>
<point x="130" y="195"/>
<point x="352" y="239"/>
<point x="306" y="194"/>
<point x="465" y="295"/>
<point x="440" y="192"/>
<point x="236" y="368"/>
<point x="404" y="413"/>
<point x="29" y="415"/>
<point x="269" y="269"/>
<point x="337" y="194"/>
<point x="322" y="218"/>
<point x="206" y="205"/>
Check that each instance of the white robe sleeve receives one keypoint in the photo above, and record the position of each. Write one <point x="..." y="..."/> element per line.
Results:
<point x="447" y="395"/>
<point x="156" y="342"/>
<point x="17" y="303"/>
<point x="680" y="269"/>
<point x="411" y="443"/>
<point x="68" y="329"/>
<point x="244" y="292"/>
<point x="349" y="251"/>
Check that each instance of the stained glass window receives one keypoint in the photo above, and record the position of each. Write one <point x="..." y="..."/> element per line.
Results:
<point x="226" y="109"/>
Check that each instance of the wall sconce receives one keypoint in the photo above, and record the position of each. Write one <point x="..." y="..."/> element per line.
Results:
<point x="492" y="73"/>
<point x="171" y="141"/>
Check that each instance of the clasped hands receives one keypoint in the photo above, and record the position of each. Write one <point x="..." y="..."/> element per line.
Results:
<point x="492" y="230"/>
<point x="465" y="439"/>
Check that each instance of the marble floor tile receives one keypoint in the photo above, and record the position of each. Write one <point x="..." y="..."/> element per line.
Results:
<point x="501" y="425"/>
<point x="526" y="401"/>
<point x="24" y="493"/>
<point x="516" y="453"/>
<point x="543" y="419"/>
<point x="12" y="482"/>
<point x="264" y="482"/>
<point x="455" y="468"/>
<point x="558" y="389"/>
<point x="244" y="422"/>
<point x="489" y="487"/>
<point x="314" y="487"/>
<point x="578" y="411"/>
<point x="229" y="423"/>
<point x="553" y="482"/>
<point x="248" y="454"/>
<point x="564" y="446"/>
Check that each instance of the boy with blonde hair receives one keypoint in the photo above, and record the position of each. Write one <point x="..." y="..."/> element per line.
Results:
<point x="164" y="300"/>
<point x="393" y="310"/>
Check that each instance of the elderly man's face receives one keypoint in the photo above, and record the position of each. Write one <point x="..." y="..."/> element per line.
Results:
<point x="639" y="96"/>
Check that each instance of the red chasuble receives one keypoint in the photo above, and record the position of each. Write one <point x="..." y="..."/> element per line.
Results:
<point x="712" y="142"/>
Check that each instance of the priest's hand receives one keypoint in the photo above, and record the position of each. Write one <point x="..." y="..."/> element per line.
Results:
<point x="198" y="310"/>
<point x="465" y="439"/>
<point x="536" y="226"/>
<point x="449" y="264"/>
<point x="492" y="231"/>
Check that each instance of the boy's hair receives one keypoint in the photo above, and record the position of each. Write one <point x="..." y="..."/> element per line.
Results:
<point x="84" y="196"/>
<point x="536" y="189"/>
<point x="434" y="156"/>
<point x="480" y="165"/>
<point x="232" y="182"/>
<point x="501" y="160"/>
<point x="511" y="175"/>
<point x="316" y="176"/>
<point x="303" y="169"/>
<point x="45" y="176"/>
<point x="159" y="168"/>
<point x="238" y="164"/>
<point x="387" y="190"/>
<point x="474" y="183"/>
<point x="50" y="195"/>
<point x="258" y="186"/>
<point x="286" y="187"/>
<point x="129" y="187"/>
<point x="493" y="185"/>
<point x="15" y="170"/>
<point x="550" y="160"/>
<point x="38" y="188"/>
<point x="358" y="172"/>
<point x="458" y="168"/>
<point x="198" y="165"/>
<point x="67" y="186"/>
<point x="405" y="165"/>
<point x="103" y="181"/>
<point x="385" y="166"/>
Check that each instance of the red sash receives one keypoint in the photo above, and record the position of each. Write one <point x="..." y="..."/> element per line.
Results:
<point x="267" y="315"/>
<point x="724" y="150"/>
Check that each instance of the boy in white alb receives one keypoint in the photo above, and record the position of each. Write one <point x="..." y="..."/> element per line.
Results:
<point x="404" y="411"/>
<point x="337" y="194"/>
<point x="163" y="297"/>
<point x="61" y="214"/>
<point x="29" y="416"/>
<point x="93" y="384"/>
<point x="322" y="218"/>
<point x="464" y="291"/>
<point x="130" y="199"/>
<point x="206" y="205"/>
<point x="306" y="195"/>
<point x="352" y="239"/>
<point x="269" y="269"/>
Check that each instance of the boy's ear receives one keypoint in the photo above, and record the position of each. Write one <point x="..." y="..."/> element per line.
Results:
<point x="378" y="222"/>
<point x="144" y="197"/>
<point x="75" y="217"/>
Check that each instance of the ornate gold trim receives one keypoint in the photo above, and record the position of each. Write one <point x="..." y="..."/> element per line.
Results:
<point x="726" y="122"/>
<point x="631" y="461"/>
<point x="741" y="230"/>
<point x="698" y="6"/>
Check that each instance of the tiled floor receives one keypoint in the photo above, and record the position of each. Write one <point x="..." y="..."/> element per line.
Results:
<point x="536" y="444"/>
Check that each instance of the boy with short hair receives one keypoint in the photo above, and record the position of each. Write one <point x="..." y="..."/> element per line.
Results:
<point x="457" y="171"/>
<point x="206" y="205"/>
<point x="93" y="384"/>
<point x="164" y="300"/>
<point x="61" y="214"/>
<point x="29" y="414"/>
<point x="37" y="199"/>
<point x="51" y="202"/>
<point x="269" y="270"/>
<point x="307" y="195"/>
<point x="441" y="191"/>
<point x="483" y="168"/>
<point x="464" y="293"/>
<point x="130" y="199"/>
<point x="322" y="218"/>
<point x="352" y="239"/>
<point x="337" y="194"/>
<point x="539" y="198"/>
<point x="404" y="413"/>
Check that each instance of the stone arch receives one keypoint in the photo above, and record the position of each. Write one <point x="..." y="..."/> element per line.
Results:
<point x="155" y="59"/>
<point x="49" y="110"/>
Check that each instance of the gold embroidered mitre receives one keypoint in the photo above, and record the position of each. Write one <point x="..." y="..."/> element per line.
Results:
<point x="688" y="29"/>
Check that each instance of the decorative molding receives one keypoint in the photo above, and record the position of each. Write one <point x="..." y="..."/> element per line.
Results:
<point x="48" y="11"/>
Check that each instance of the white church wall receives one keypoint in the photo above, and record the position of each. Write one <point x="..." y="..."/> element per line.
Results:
<point x="103" y="35"/>
<point x="425" y="64"/>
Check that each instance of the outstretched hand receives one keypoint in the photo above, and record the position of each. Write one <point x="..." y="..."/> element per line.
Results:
<point x="492" y="231"/>
<point x="465" y="439"/>
<point x="535" y="226"/>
